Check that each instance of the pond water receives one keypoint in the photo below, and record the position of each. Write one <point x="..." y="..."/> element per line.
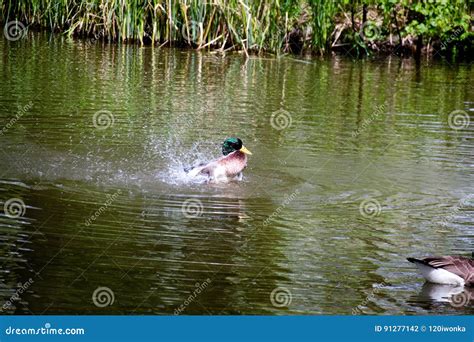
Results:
<point x="356" y="165"/>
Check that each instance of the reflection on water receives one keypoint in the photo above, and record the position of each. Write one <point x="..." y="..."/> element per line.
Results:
<point x="443" y="298"/>
<point x="355" y="166"/>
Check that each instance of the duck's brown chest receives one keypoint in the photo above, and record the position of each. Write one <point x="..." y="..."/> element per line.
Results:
<point x="235" y="163"/>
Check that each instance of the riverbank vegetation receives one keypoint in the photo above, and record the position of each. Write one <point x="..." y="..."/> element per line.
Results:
<point x="356" y="28"/>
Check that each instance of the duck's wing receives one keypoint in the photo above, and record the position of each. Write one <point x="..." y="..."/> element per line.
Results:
<point x="461" y="266"/>
<point x="204" y="169"/>
<point x="195" y="171"/>
<point x="187" y="169"/>
<point x="196" y="168"/>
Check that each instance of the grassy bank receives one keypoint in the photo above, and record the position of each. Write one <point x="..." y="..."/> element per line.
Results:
<point x="356" y="27"/>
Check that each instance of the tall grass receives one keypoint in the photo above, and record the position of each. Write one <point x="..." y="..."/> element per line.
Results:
<point x="246" y="25"/>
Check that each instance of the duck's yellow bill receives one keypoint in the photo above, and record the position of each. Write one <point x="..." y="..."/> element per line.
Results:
<point x="244" y="149"/>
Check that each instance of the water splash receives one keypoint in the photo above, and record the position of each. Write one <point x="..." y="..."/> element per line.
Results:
<point x="178" y="158"/>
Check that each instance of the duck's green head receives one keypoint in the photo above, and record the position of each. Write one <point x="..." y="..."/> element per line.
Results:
<point x="233" y="144"/>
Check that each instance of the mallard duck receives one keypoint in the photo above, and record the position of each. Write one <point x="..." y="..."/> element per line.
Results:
<point x="227" y="167"/>
<point x="454" y="270"/>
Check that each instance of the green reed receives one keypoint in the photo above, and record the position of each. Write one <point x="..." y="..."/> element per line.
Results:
<point x="240" y="24"/>
<point x="245" y="25"/>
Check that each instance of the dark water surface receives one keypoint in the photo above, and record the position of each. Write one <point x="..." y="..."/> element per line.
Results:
<point x="356" y="165"/>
